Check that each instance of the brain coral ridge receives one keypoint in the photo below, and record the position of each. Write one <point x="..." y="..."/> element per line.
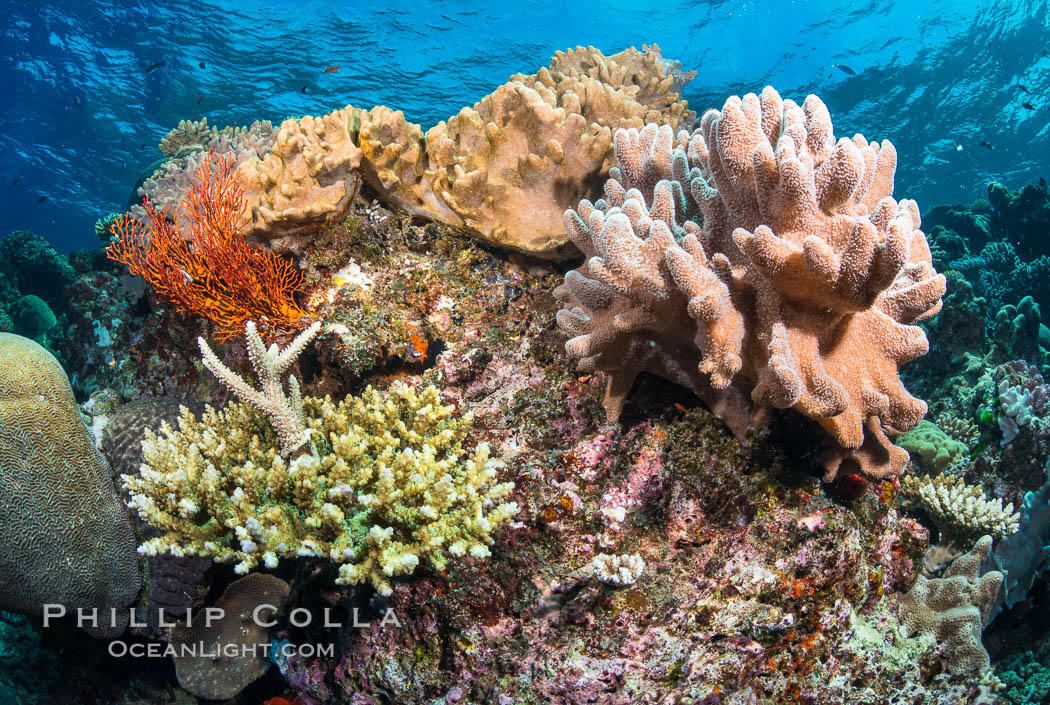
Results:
<point x="503" y="170"/>
<point x="761" y="263"/>
<point x="65" y="538"/>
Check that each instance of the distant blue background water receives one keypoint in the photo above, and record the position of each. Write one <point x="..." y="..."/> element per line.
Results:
<point x="80" y="118"/>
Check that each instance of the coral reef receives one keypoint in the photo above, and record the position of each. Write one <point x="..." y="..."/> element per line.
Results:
<point x="657" y="559"/>
<point x="225" y="667"/>
<point x="388" y="490"/>
<point x="804" y="266"/>
<point x="955" y="608"/>
<point x="65" y="536"/>
<point x="210" y="270"/>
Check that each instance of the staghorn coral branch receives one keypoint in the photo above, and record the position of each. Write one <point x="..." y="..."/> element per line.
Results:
<point x="285" y="411"/>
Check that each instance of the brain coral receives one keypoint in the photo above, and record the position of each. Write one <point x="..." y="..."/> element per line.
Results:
<point x="798" y="290"/>
<point x="173" y="581"/>
<point x="65" y="538"/>
<point x="232" y="654"/>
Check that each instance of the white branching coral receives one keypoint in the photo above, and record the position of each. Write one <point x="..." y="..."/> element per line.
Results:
<point x="761" y="264"/>
<point x="392" y="486"/>
<point x="960" y="509"/>
<point x="285" y="411"/>
<point x="618" y="571"/>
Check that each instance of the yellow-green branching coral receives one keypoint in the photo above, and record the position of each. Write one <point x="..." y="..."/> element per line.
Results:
<point x="391" y="485"/>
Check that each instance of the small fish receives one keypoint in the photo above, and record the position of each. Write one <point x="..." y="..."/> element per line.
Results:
<point x="122" y="165"/>
<point x="303" y="89"/>
<point x="1027" y="106"/>
<point x="142" y="146"/>
<point x="1023" y="89"/>
<point x="14" y="181"/>
<point x="1044" y="52"/>
<point x="846" y="69"/>
<point x="332" y="69"/>
<point x="199" y="99"/>
<point x="41" y="199"/>
<point x="201" y="64"/>
<point x="986" y="145"/>
<point x="76" y="100"/>
<point x="153" y="67"/>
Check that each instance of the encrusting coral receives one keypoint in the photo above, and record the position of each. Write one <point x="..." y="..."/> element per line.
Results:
<point x="390" y="484"/>
<point x="797" y="291"/>
<point x="960" y="509"/>
<point x="955" y="608"/>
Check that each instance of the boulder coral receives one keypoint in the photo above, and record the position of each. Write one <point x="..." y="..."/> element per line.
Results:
<point x="231" y="649"/>
<point x="65" y="538"/>
<point x="763" y="265"/>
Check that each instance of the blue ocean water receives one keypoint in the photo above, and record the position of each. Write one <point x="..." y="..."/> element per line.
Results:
<point x="959" y="86"/>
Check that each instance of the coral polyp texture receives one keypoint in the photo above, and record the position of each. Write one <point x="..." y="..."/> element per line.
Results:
<point x="392" y="487"/>
<point x="210" y="271"/>
<point x="761" y="263"/>
<point x="308" y="177"/>
<point x="65" y="538"/>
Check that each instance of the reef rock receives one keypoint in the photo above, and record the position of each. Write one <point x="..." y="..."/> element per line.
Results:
<point x="799" y="289"/>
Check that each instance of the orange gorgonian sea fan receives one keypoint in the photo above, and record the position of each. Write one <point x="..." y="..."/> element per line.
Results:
<point x="212" y="271"/>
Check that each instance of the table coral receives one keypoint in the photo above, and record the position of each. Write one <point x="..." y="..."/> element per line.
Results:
<point x="393" y="486"/>
<point x="798" y="291"/>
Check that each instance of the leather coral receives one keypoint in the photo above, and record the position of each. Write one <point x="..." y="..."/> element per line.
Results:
<point x="762" y="264"/>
